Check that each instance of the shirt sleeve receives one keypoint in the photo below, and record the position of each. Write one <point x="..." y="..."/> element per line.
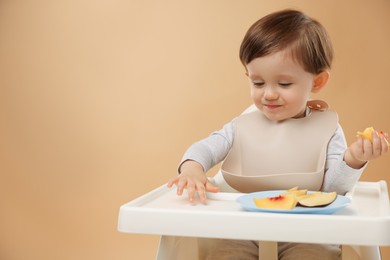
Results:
<point x="212" y="149"/>
<point x="339" y="176"/>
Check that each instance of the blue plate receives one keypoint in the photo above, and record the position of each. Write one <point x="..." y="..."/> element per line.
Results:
<point x="247" y="203"/>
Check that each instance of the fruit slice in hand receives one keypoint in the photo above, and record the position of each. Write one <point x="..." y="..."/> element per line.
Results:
<point x="277" y="202"/>
<point x="318" y="199"/>
<point x="367" y="133"/>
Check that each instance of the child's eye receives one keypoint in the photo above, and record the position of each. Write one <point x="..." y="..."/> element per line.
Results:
<point x="285" y="84"/>
<point x="258" y="84"/>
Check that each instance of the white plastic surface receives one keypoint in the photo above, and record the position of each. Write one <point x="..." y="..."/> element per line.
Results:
<point x="366" y="221"/>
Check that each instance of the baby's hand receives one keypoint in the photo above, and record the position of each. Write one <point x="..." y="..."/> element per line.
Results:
<point x="369" y="145"/>
<point x="194" y="180"/>
<point x="368" y="134"/>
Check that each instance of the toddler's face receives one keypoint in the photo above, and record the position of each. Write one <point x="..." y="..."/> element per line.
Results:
<point x="280" y="87"/>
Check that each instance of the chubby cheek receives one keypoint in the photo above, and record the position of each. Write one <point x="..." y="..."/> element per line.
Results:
<point x="256" y="96"/>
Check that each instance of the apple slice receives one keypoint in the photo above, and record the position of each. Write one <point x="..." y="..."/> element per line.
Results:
<point x="277" y="202"/>
<point x="318" y="199"/>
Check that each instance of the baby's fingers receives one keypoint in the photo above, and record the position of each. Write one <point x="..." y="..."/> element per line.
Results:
<point x="191" y="191"/>
<point x="385" y="138"/>
<point x="201" y="189"/>
<point x="379" y="144"/>
<point x="181" y="185"/>
<point x="385" y="144"/>
<point x="376" y="144"/>
<point x="172" y="182"/>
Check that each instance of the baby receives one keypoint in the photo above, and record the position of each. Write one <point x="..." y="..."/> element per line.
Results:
<point x="288" y="139"/>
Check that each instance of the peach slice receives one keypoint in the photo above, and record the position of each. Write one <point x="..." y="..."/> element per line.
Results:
<point x="367" y="133"/>
<point x="318" y="199"/>
<point x="277" y="202"/>
<point x="295" y="192"/>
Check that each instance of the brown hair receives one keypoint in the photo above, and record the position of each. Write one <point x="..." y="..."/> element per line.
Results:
<point x="307" y="39"/>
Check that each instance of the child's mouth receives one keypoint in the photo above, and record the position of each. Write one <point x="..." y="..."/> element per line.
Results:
<point x="272" y="107"/>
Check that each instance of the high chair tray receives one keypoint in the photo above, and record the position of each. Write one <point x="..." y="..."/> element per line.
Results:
<point x="365" y="221"/>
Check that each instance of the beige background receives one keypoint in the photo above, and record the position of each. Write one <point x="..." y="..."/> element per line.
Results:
<point x="99" y="99"/>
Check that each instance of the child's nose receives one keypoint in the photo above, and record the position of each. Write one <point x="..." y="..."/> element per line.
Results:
<point x="270" y="93"/>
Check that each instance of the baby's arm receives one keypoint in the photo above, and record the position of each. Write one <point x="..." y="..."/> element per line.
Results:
<point x="339" y="175"/>
<point x="198" y="159"/>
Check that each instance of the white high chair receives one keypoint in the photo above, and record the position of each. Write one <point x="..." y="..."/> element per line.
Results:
<point x="162" y="212"/>
<point x="194" y="248"/>
<point x="360" y="227"/>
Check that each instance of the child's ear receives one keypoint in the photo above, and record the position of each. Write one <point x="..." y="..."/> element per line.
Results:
<point x="320" y="81"/>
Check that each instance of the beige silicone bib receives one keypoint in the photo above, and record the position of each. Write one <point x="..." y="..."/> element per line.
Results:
<point x="268" y="155"/>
